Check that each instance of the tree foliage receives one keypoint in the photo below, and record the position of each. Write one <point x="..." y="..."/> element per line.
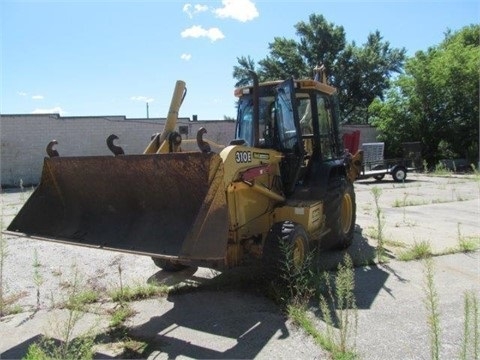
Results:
<point x="436" y="100"/>
<point x="360" y="73"/>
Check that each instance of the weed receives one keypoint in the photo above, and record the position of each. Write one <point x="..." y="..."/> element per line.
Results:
<point x="9" y="306"/>
<point x="377" y="192"/>
<point x="419" y="250"/>
<point x="441" y="170"/>
<point x="290" y="282"/>
<point x="425" y="166"/>
<point x="68" y="347"/>
<point x="37" y="276"/>
<point x="467" y="243"/>
<point x="119" y="315"/>
<point x="341" y="303"/>
<point x="404" y="203"/>
<point x="78" y="300"/>
<point x="471" y="332"/>
<point x="296" y="278"/>
<point x="134" y="349"/>
<point x="48" y="348"/>
<point x="299" y="316"/>
<point x="138" y="292"/>
<point x="432" y="307"/>
<point x="476" y="176"/>
<point x="128" y="293"/>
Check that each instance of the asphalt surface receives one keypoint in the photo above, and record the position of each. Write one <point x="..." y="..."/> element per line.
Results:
<point x="225" y="323"/>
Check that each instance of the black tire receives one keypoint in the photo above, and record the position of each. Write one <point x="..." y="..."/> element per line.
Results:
<point x="340" y="212"/>
<point x="167" y="265"/>
<point x="291" y="234"/>
<point x="399" y="173"/>
<point x="380" y="176"/>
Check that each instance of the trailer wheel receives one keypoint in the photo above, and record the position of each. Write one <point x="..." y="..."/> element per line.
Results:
<point x="296" y="247"/>
<point x="379" y="177"/>
<point x="399" y="173"/>
<point x="340" y="212"/>
<point x="167" y="265"/>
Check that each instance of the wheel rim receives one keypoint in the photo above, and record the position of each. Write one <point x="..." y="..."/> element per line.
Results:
<point x="400" y="175"/>
<point x="298" y="252"/>
<point x="346" y="214"/>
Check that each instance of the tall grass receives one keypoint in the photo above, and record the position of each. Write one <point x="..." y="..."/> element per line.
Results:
<point x="377" y="192"/>
<point x="37" y="276"/>
<point x="471" y="332"/>
<point x="432" y="306"/>
<point x="339" y="311"/>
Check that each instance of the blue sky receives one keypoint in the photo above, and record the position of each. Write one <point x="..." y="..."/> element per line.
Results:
<point x="111" y="57"/>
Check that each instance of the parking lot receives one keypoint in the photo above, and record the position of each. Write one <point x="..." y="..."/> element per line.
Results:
<point x="440" y="211"/>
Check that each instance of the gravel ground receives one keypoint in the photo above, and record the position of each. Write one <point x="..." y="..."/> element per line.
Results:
<point x="441" y="211"/>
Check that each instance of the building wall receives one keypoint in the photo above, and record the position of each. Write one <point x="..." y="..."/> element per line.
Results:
<point x="24" y="139"/>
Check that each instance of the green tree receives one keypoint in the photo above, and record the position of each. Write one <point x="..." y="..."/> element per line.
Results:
<point x="241" y="71"/>
<point x="360" y="73"/>
<point x="364" y="74"/>
<point x="436" y="100"/>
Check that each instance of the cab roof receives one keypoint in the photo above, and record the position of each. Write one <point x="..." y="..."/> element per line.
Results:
<point x="305" y="84"/>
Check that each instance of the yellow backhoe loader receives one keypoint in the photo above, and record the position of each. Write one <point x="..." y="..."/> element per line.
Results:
<point x="283" y="177"/>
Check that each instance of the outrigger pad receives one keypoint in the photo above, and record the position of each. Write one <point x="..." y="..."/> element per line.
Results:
<point x="167" y="204"/>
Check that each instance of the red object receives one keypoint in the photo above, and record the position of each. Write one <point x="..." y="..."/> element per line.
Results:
<point x="351" y="141"/>
<point x="252" y="173"/>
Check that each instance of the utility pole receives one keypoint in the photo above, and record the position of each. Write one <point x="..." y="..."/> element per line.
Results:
<point x="147" y="111"/>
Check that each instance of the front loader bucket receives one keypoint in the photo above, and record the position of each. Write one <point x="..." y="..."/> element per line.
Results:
<point x="169" y="205"/>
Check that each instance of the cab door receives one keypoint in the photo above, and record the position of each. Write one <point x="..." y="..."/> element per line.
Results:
<point x="288" y="134"/>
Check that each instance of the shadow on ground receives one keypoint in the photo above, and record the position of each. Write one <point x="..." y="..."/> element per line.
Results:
<point x="227" y="315"/>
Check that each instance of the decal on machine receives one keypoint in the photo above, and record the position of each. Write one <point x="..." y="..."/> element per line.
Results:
<point x="261" y="156"/>
<point x="243" y="156"/>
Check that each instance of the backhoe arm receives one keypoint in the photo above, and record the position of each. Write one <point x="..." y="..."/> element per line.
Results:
<point x="160" y="143"/>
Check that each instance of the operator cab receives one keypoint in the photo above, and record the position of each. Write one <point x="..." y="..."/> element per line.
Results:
<point x="297" y="118"/>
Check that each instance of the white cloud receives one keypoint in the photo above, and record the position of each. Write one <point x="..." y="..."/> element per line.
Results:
<point x="197" y="8"/>
<point x="54" y="110"/>
<point x="142" y="99"/>
<point x="241" y="10"/>
<point x="37" y="97"/>
<point x="197" y="31"/>
<point x="186" y="57"/>
<point x="21" y="93"/>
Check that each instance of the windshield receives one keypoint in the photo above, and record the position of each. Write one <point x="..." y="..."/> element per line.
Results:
<point x="245" y="120"/>
<point x="245" y="124"/>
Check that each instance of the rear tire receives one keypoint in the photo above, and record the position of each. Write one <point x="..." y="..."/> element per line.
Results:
<point x="167" y="265"/>
<point x="340" y="211"/>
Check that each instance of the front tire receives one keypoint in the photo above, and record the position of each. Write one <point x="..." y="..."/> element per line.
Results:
<point x="286" y="239"/>
<point x="167" y="265"/>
